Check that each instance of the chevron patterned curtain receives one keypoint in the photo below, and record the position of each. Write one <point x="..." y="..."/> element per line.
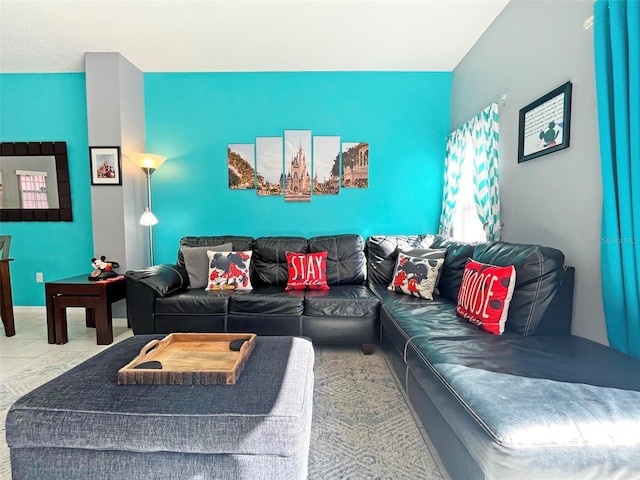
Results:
<point x="456" y="144"/>
<point x="485" y="134"/>
<point x="481" y="133"/>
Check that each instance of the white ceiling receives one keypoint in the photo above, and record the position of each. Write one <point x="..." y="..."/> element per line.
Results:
<point x="243" y="35"/>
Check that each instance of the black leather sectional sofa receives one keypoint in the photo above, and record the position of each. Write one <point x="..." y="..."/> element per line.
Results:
<point x="535" y="402"/>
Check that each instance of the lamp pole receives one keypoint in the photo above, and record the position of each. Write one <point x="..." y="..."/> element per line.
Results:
<point x="149" y="171"/>
<point x="148" y="162"/>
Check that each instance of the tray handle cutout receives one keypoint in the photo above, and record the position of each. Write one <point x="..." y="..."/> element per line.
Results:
<point x="149" y="347"/>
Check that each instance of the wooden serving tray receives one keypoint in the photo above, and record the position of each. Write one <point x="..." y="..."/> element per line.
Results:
<point x="189" y="359"/>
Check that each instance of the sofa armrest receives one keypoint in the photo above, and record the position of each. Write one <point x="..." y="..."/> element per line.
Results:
<point x="144" y="286"/>
<point x="163" y="279"/>
<point x="141" y="304"/>
<point x="557" y="319"/>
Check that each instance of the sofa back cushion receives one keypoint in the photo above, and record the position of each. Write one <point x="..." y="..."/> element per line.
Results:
<point x="454" y="262"/>
<point x="539" y="274"/>
<point x="240" y="243"/>
<point x="270" y="258"/>
<point x="346" y="262"/>
<point x="382" y="253"/>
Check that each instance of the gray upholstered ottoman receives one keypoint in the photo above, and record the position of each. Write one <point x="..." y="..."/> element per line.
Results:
<point x="83" y="425"/>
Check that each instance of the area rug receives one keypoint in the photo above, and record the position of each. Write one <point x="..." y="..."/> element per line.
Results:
<point x="362" y="427"/>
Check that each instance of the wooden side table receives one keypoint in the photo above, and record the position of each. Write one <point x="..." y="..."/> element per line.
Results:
<point x="95" y="297"/>
<point x="6" y="299"/>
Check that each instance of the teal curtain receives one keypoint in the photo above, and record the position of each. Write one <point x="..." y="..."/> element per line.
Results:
<point x="617" y="56"/>
<point x="485" y="178"/>
<point x="481" y="133"/>
<point x="456" y="144"/>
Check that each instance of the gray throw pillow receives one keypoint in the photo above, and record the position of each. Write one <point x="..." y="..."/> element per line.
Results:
<point x="196" y="262"/>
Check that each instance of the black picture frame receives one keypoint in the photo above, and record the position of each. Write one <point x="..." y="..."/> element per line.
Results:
<point x="542" y="122"/>
<point x="106" y="165"/>
<point x="58" y="150"/>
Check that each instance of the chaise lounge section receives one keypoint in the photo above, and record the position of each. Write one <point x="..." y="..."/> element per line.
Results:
<point x="532" y="403"/>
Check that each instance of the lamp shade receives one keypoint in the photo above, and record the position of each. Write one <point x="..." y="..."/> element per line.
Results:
<point x="148" y="219"/>
<point x="147" y="160"/>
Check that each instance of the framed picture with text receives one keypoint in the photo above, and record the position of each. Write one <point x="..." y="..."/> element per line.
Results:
<point x="106" y="167"/>
<point x="545" y="124"/>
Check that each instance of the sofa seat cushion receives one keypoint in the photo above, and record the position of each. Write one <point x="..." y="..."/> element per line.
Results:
<point x="518" y="427"/>
<point x="269" y="300"/>
<point x="385" y="295"/>
<point x="561" y="358"/>
<point x="341" y="301"/>
<point x="427" y="318"/>
<point x="193" y="302"/>
<point x="407" y="320"/>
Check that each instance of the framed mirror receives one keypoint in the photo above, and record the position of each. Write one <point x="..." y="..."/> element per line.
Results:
<point x="34" y="182"/>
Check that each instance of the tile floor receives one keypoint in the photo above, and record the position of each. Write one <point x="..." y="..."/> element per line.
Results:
<point x="29" y="344"/>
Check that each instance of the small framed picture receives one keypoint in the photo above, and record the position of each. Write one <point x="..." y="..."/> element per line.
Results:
<point x="545" y="124"/>
<point x="106" y="167"/>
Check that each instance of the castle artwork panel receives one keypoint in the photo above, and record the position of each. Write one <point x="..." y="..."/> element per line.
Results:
<point x="355" y="165"/>
<point x="297" y="154"/>
<point x="240" y="160"/>
<point x="326" y="165"/>
<point x="269" y="166"/>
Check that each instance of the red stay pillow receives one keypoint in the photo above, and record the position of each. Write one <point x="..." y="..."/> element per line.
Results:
<point x="485" y="295"/>
<point x="307" y="271"/>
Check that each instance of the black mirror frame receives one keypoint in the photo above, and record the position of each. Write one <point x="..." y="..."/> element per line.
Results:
<point x="33" y="149"/>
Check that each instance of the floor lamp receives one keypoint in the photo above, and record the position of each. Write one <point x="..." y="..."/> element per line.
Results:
<point x="149" y="163"/>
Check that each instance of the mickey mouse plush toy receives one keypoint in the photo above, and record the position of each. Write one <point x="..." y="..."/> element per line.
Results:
<point x="102" y="269"/>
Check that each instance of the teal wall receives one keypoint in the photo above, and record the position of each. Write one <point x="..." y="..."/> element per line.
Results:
<point x="48" y="107"/>
<point x="191" y="118"/>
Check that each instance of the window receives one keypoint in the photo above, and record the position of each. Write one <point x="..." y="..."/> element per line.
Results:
<point x="466" y="225"/>
<point x="33" y="189"/>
